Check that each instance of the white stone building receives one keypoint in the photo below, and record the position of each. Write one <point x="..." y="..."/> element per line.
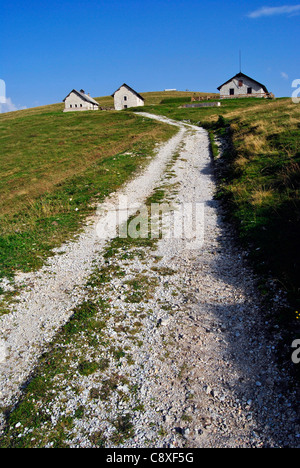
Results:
<point x="79" y="101"/>
<point x="242" y="85"/>
<point x="126" y="97"/>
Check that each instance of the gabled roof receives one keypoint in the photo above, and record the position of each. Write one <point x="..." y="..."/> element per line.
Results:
<point x="84" y="96"/>
<point x="242" y="75"/>
<point x="129" y="89"/>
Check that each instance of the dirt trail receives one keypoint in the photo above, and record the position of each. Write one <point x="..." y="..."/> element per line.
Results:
<point x="197" y="369"/>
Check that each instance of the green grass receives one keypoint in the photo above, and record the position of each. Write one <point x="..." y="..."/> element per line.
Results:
<point x="214" y="147"/>
<point x="176" y="100"/>
<point x="53" y="166"/>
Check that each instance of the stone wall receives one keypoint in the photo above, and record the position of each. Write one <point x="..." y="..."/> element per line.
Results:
<point x="203" y="104"/>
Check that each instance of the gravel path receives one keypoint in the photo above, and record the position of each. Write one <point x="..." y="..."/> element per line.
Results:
<point x="198" y="359"/>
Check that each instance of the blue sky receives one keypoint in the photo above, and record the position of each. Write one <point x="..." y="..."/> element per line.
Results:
<point x="50" y="47"/>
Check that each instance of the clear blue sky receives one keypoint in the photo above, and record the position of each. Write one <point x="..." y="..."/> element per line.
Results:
<point x="50" y="47"/>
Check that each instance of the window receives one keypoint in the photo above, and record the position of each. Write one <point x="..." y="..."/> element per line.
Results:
<point x="75" y="105"/>
<point x="241" y="83"/>
<point x="125" y="107"/>
<point x="249" y="91"/>
<point x="80" y="105"/>
<point x="231" y="91"/>
<point x="125" y="98"/>
<point x="71" y="105"/>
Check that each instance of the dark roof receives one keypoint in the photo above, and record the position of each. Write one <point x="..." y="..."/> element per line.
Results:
<point x="242" y="75"/>
<point x="83" y="96"/>
<point x="130" y="89"/>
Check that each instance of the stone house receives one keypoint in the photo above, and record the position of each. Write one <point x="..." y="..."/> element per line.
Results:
<point x="242" y="85"/>
<point x="79" y="101"/>
<point x="126" y="97"/>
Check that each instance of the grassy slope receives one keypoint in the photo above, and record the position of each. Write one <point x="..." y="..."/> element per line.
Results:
<point x="54" y="165"/>
<point x="261" y="183"/>
<point x="259" y="178"/>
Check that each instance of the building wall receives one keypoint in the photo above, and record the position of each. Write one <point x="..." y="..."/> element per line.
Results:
<point x="257" y="91"/>
<point x="78" y="104"/>
<point x="124" y="97"/>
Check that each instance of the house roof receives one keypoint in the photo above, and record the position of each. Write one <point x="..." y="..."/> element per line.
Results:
<point x="242" y="75"/>
<point x="129" y="89"/>
<point x="84" y="96"/>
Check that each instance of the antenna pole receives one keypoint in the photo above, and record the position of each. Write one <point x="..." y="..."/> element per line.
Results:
<point x="240" y="61"/>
